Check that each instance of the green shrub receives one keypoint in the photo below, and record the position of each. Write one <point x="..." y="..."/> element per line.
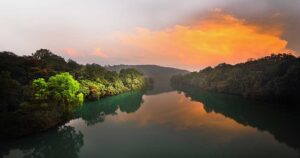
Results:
<point x="61" y="91"/>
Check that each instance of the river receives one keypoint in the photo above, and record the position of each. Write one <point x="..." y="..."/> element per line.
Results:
<point x="188" y="123"/>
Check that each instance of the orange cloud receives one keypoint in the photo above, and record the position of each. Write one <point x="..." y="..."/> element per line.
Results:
<point x="99" y="53"/>
<point x="72" y="52"/>
<point x="218" y="38"/>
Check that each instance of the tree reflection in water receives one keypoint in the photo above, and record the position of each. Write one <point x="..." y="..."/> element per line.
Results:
<point x="64" y="141"/>
<point x="95" y="112"/>
<point x="281" y="122"/>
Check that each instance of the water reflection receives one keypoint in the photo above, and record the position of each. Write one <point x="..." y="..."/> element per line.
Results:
<point x="65" y="141"/>
<point x="174" y="124"/>
<point x="281" y="122"/>
<point x="94" y="112"/>
<point x="178" y="111"/>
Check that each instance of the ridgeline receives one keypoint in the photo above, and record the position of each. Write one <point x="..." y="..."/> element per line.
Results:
<point x="274" y="78"/>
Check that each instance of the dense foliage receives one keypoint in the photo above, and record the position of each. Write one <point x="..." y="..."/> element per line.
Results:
<point x="159" y="75"/>
<point x="97" y="82"/>
<point x="61" y="92"/>
<point x="43" y="89"/>
<point x="272" y="78"/>
<point x="9" y="92"/>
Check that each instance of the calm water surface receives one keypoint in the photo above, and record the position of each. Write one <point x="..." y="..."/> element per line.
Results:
<point x="170" y="124"/>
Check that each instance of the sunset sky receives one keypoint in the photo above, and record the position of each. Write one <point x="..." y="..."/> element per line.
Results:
<point x="189" y="34"/>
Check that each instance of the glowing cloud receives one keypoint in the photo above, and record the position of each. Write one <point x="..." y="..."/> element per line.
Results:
<point x="99" y="53"/>
<point x="218" y="38"/>
<point x="71" y="52"/>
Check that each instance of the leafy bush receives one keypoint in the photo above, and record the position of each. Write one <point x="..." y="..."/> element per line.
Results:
<point x="61" y="91"/>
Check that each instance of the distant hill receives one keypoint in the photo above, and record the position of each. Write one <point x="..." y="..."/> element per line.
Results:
<point x="160" y="75"/>
<point x="273" y="78"/>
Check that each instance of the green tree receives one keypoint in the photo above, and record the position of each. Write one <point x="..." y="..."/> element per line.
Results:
<point x="132" y="78"/>
<point x="49" y="60"/>
<point x="92" y="72"/>
<point x="61" y="91"/>
<point x="41" y="89"/>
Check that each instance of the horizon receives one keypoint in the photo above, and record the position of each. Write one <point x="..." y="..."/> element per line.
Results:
<point x="150" y="78"/>
<point x="186" y="35"/>
<point x="189" y="70"/>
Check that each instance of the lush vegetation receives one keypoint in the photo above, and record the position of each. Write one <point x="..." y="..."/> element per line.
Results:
<point x="272" y="78"/>
<point x="42" y="90"/>
<point x="61" y="93"/>
<point x="160" y="75"/>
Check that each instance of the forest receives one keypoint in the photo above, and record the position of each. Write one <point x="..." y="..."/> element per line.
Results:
<point x="43" y="90"/>
<point x="274" y="78"/>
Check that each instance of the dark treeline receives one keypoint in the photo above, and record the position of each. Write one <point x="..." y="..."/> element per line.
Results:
<point x="41" y="90"/>
<point x="274" y="78"/>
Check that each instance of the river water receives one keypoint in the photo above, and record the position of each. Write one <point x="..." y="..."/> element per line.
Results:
<point x="187" y="124"/>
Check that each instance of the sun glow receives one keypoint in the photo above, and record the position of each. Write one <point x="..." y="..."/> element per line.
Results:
<point x="221" y="37"/>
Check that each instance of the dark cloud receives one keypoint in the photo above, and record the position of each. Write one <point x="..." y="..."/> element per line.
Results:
<point x="272" y="12"/>
<point x="266" y="13"/>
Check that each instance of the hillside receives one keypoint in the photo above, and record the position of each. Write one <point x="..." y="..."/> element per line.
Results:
<point x="273" y="78"/>
<point x="160" y="75"/>
<point x="42" y="90"/>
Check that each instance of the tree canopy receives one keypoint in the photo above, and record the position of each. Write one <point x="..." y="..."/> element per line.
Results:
<point x="272" y="78"/>
<point x="61" y="91"/>
<point x="43" y="89"/>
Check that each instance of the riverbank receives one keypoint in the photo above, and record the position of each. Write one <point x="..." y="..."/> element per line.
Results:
<point x="24" y="123"/>
<point x="274" y="78"/>
<point x="41" y="91"/>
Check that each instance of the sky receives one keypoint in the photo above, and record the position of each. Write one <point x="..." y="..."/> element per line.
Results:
<point x="189" y="34"/>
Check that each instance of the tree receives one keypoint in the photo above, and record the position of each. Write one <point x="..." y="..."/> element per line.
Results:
<point x="50" y="60"/>
<point x="36" y="94"/>
<point x="61" y="91"/>
<point x="73" y="65"/>
<point x="9" y="92"/>
<point x="40" y="88"/>
<point x="271" y="78"/>
<point x="131" y="78"/>
<point x="93" y="72"/>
